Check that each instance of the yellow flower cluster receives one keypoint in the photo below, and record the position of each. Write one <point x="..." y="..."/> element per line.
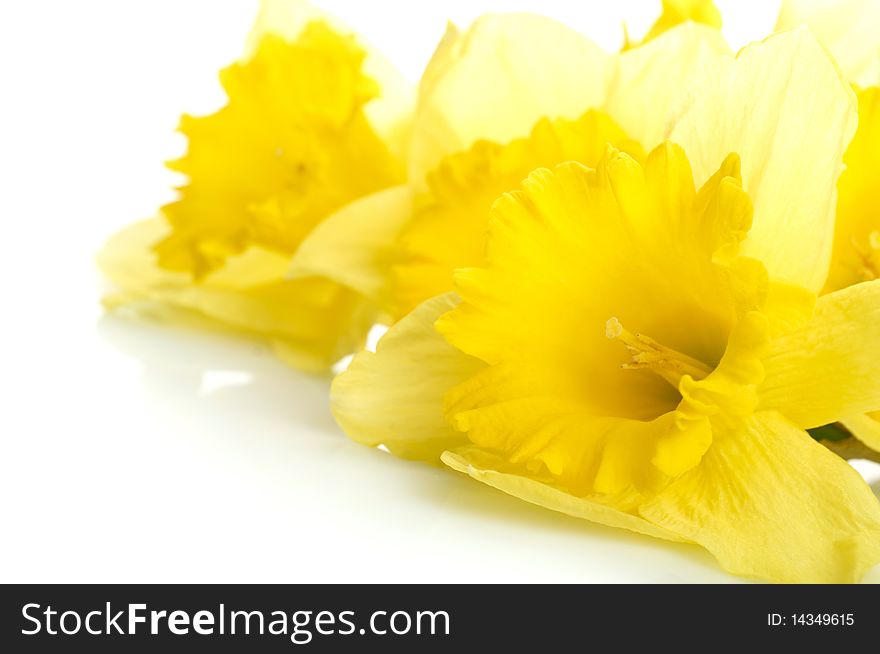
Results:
<point x="637" y="287"/>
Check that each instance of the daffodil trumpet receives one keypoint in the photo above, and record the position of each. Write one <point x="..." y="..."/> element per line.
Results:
<point x="313" y="121"/>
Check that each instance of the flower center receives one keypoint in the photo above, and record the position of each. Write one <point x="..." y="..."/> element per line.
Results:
<point x="648" y="354"/>
<point x="869" y="257"/>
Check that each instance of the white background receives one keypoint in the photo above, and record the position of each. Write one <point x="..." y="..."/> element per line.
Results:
<point x="135" y="453"/>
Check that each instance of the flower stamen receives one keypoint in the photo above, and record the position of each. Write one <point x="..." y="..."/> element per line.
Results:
<point x="648" y="354"/>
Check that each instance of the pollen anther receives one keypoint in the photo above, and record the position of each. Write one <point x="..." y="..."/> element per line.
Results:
<point x="648" y="354"/>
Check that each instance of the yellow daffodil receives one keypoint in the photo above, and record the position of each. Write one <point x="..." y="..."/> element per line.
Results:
<point x="291" y="146"/>
<point x="294" y="143"/>
<point x="483" y="122"/>
<point x="647" y="352"/>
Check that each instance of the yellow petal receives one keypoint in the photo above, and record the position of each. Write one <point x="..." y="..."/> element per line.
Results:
<point x="676" y="12"/>
<point x="531" y="420"/>
<point x="865" y="427"/>
<point x="827" y="370"/>
<point x="856" y="255"/>
<point x="394" y="397"/>
<point x="355" y="246"/>
<point x="496" y="80"/>
<point x="784" y="108"/>
<point x="391" y="113"/>
<point x="448" y="229"/>
<point x="495" y="472"/>
<point x="312" y="322"/>
<point x="651" y="79"/>
<point x="769" y="502"/>
<point x="848" y="28"/>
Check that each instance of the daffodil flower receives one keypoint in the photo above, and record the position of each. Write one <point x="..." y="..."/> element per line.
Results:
<point x="647" y="352"/>
<point x="302" y="135"/>
<point x="490" y="111"/>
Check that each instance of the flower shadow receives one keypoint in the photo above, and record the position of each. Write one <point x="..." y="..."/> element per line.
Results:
<point x="234" y="396"/>
<point x="236" y="376"/>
